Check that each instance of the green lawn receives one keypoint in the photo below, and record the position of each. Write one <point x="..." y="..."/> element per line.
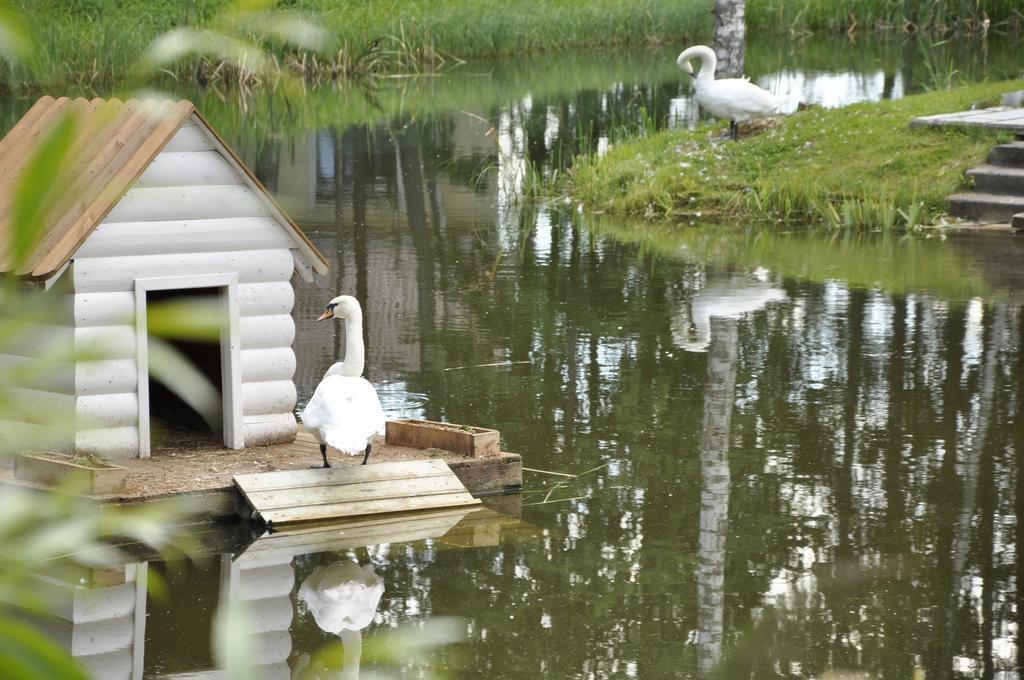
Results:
<point x="856" y="166"/>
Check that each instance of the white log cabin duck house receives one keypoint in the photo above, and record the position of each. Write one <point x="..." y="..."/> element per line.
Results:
<point x="157" y="207"/>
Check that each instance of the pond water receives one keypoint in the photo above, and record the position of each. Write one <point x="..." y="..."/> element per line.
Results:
<point x="798" y="453"/>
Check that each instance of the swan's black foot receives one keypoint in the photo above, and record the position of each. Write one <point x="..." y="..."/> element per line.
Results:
<point x="323" y="452"/>
<point x="734" y="130"/>
<point x="367" y="454"/>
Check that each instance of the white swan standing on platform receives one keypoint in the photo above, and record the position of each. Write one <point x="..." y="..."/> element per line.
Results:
<point x="344" y="411"/>
<point x="343" y="599"/>
<point x="735" y="99"/>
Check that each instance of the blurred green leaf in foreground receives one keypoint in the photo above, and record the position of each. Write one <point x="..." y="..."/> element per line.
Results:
<point x="39" y="531"/>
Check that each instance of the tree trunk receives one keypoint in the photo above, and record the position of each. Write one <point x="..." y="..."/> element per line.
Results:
<point x="730" y="41"/>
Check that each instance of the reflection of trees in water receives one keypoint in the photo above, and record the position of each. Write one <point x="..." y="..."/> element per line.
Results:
<point x="1014" y="476"/>
<point x="719" y="393"/>
<point x="972" y="476"/>
<point x="561" y="128"/>
<point x="855" y="417"/>
<point x="848" y="486"/>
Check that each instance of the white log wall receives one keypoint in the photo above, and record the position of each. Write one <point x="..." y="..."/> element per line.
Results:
<point x="267" y="365"/>
<point x="157" y="204"/>
<point x="189" y="138"/>
<point x="267" y="429"/>
<point x="37" y="373"/>
<point x="90" y="639"/>
<point x="97" y="626"/>
<point x="118" y="274"/>
<point x="38" y="403"/>
<point x="30" y="372"/>
<point x="45" y="341"/>
<point x="191" y="236"/>
<point x="185" y="168"/>
<point x="266" y="588"/>
<point x="17" y="435"/>
<point x="189" y="214"/>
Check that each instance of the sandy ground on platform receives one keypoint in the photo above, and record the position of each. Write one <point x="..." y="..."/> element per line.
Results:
<point x="170" y="472"/>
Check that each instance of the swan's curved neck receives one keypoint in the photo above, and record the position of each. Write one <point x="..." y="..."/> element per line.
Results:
<point x="708" y="63"/>
<point x="354" y="353"/>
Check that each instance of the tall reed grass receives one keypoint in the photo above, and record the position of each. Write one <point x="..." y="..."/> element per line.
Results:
<point x="885" y="15"/>
<point x="90" y="43"/>
<point x="94" y="42"/>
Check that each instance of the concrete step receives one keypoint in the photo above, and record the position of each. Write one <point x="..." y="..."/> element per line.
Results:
<point x="981" y="207"/>
<point x="1018" y="222"/>
<point x="998" y="179"/>
<point x="1009" y="155"/>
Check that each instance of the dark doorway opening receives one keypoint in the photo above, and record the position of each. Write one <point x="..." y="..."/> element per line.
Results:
<point x="174" y="423"/>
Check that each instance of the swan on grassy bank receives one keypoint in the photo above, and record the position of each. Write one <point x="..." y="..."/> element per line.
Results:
<point x="344" y="411"/>
<point x="734" y="99"/>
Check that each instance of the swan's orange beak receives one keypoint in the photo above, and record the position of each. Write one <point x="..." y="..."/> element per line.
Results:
<point x="328" y="313"/>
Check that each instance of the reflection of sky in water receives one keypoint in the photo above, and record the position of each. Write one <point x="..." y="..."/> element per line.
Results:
<point x="972" y="335"/>
<point x="830" y="90"/>
<point x="399" y="402"/>
<point x="542" y="234"/>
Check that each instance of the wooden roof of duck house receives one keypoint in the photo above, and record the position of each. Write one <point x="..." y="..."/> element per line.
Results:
<point x="113" y="143"/>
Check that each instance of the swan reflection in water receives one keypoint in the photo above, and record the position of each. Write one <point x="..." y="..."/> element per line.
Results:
<point x="343" y="599"/>
<point x="729" y="298"/>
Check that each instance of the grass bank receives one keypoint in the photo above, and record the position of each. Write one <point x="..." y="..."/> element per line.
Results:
<point x="859" y="166"/>
<point x="98" y="42"/>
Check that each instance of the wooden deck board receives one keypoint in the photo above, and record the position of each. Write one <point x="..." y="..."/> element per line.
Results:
<point x="295" y="479"/>
<point x="997" y="118"/>
<point x="321" y="513"/>
<point x="364" y="490"/>
<point x="352" y="491"/>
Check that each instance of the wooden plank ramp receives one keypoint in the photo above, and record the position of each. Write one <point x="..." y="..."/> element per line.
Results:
<point x="996" y="118"/>
<point x="291" y="496"/>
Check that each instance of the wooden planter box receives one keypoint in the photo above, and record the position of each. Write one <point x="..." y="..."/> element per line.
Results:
<point x="477" y="442"/>
<point x="88" y="474"/>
